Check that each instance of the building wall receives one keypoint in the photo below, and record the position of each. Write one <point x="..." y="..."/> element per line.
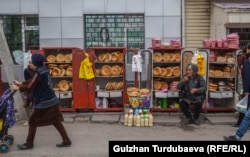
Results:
<point x="222" y="18"/>
<point x="61" y="21"/>
<point x="218" y="20"/>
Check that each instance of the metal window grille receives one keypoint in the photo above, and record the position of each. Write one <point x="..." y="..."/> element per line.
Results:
<point x="244" y="35"/>
<point x="114" y="30"/>
<point x="21" y="31"/>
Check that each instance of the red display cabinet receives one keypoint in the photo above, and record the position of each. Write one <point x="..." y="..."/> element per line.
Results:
<point x="59" y="63"/>
<point x="83" y="90"/>
<point x="109" y="79"/>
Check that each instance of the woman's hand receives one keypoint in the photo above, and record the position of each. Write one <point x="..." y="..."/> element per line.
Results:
<point x="17" y="82"/>
<point x="14" y="87"/>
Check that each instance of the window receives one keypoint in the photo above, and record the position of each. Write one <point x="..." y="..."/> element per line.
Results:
<point x="244" y="35"/>
<point x="21" y="31"/>
<point x="114" y="30"/>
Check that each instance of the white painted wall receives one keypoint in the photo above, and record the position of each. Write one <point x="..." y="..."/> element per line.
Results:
<point x="61" y="21"/>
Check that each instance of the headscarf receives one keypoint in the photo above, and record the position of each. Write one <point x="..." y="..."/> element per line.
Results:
<point x="37" y="59"/>
<point x="193" y="67"/>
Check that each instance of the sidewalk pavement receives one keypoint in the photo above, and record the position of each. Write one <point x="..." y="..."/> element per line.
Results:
<point x="91" y="132"/>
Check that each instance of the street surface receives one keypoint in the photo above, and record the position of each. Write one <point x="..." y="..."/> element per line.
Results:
<point x="90" y="139"/>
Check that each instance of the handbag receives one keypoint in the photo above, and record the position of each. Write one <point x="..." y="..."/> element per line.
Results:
<point x="241" y="106"/>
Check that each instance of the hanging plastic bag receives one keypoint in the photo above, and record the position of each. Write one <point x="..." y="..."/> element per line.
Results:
<point x="86" y="71"/>
<point x="26" y="59"/>
<point x="241" y="106"/>
<point x="136" y="63"/>
<point x="18" y="56"/>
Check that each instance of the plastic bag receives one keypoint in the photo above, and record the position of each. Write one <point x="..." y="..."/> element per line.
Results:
<point x="85" y="71"/>
<point x="241" y="106"/>
<point x="26" y="59"/>
<point x="18" y="56"/>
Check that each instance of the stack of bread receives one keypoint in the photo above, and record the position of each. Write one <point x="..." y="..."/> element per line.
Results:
<point x="159" y="85"/>
<point x="134" y="91"/>
<point x="225" y="71"/>
<point x="110" y="57"/>
<point x="63" y="86"/>
<point x="167" y="57"/>
<point x="60" y="69"/>
<point x="60" y="57"/>
<point x="108" y="70"/>
<point x="114" y="86"/>
<point x="212" y="87"/>
<point x="221" y="86"/>
<point x="167" y="71"/>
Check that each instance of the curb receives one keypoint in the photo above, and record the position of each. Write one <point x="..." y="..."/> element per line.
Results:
<point x="160" y="118"/>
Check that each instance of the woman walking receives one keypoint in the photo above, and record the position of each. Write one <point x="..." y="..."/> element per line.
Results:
<point x="46" y="109"/>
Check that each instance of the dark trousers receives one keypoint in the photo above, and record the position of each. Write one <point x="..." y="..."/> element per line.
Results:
<point x="185" y="109"/>
<point x="32" y="132"/>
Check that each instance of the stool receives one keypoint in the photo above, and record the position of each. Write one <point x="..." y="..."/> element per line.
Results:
<point x="202" y="116"/>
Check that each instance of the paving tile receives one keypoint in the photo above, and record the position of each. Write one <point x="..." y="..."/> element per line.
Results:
<point x="105" y="118"/>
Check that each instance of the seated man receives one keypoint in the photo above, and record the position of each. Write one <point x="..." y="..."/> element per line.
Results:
<point x="192" y="91"/>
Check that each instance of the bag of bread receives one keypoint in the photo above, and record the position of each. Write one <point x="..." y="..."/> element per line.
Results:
<point x="86" y="71"/>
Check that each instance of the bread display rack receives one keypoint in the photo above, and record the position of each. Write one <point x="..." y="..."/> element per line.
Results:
<point x="222" y="79"/>
<point x="58" y="60"/>
<point x="109" y="78"/>
<point x="166" y="74"/>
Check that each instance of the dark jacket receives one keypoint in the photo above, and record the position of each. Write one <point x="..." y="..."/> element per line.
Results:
<point x="197" y="82"/>
<point x="43" y="94"/>
<point x="28" y="74"/>
<point x="246" y="76"/>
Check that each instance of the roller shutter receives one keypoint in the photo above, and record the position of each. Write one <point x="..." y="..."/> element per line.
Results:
<point x="197" y="22"/>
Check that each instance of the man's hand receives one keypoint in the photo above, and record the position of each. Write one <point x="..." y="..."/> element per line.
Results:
<point x="185" y="78"/>
<point x="193" y="90"/>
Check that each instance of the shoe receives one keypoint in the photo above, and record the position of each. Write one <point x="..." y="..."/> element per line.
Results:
<point x="187" y="121"/>
<point x="24" y="146"/>
<point x="196" y="122"/>
<point x="64" y="144"/>
<point x="230" y="138"/>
